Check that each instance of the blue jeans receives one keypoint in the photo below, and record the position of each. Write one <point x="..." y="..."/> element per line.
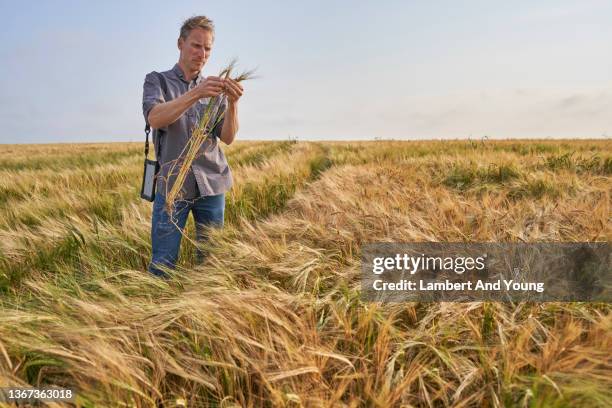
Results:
<point x="208" y="211"/>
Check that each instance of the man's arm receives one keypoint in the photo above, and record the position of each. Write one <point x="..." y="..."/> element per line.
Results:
<point x="230" y="123"/>
<point x="233" y="90"/>
<point x="166" y="113"/>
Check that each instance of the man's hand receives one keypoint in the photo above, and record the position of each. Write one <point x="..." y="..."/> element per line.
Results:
<point x="210" y="87"/>
<point x="233" y="90"/>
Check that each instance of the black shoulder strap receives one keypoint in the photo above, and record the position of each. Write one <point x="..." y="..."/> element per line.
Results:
<point x="164" y="87"/>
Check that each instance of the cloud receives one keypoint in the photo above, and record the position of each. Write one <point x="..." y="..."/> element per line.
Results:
<point x="592" y="105"/>
<point x="570" y="101"/>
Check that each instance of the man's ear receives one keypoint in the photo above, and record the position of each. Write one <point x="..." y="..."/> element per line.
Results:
<point x="179" y="43"/>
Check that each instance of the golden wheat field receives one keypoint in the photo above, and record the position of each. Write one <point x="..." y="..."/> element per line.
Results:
<point x="274" y="317"/>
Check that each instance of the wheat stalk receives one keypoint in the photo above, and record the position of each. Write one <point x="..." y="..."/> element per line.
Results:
<point x="199" y="135"/>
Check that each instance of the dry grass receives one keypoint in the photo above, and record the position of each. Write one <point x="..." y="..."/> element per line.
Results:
<point x="274" y="318"/>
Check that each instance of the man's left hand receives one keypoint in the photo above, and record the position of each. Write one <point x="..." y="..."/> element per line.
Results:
<point x="233" y="90"/>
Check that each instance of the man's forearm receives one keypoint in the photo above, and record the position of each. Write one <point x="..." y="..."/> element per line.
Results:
<point x="164" y="114"/>
<point x="230" y="124"/>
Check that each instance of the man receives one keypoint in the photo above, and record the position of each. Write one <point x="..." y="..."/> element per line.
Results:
<point x="174" y="114"/>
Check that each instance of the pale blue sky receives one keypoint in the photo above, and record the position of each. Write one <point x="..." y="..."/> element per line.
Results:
<point x="73" y="70"/>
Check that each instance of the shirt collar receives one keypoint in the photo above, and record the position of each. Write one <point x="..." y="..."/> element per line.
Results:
<point x="179" y="73"/>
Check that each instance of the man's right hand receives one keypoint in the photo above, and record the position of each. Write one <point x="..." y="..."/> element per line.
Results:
<point x="210" y="87"/>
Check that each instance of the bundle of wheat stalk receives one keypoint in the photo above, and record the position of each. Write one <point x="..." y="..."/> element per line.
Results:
<point x="209" y="119"/>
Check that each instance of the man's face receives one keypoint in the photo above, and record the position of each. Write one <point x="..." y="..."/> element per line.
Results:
<point x="195" y="49"/>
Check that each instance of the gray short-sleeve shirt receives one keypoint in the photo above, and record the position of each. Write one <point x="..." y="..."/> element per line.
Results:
<point x="210" y="173"/>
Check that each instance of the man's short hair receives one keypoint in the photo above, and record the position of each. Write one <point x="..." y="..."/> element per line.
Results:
<point x="202" y="22"/>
